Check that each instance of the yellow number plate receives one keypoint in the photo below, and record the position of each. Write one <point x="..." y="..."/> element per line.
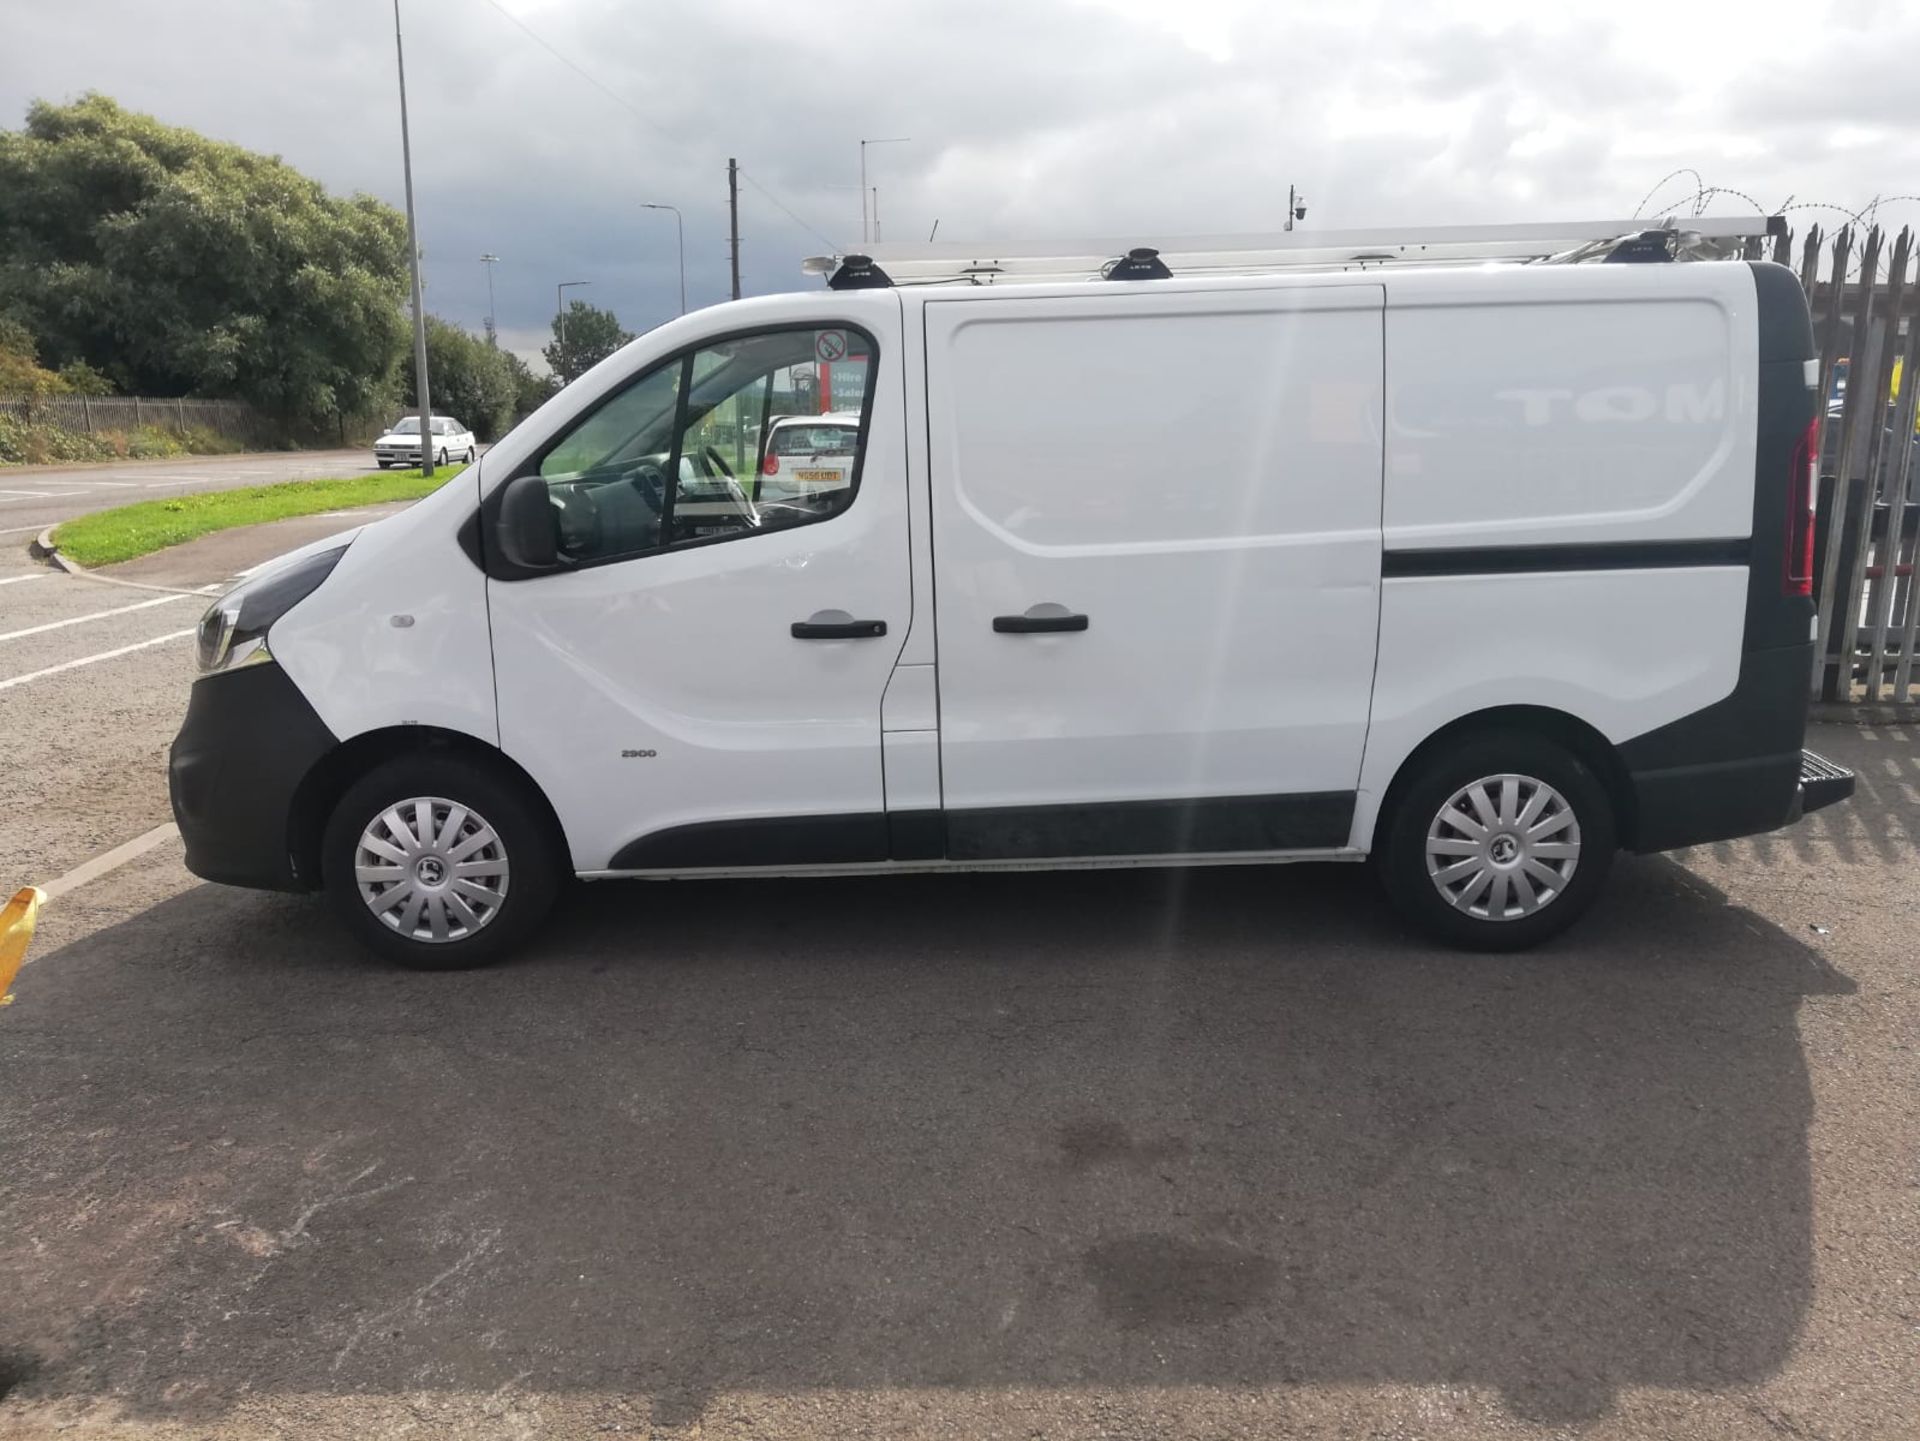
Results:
<point x="816" y="475"/>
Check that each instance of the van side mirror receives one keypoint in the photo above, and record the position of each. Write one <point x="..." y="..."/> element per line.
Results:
<point x="523" y="529"/>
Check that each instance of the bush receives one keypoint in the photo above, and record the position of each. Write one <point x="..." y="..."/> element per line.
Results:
<point x="24" y="443"/>
<point x="21" y="373"/>
<point x="150" y="442"/>
<point x="205" y="440"/>
<point x="32" y="443"/>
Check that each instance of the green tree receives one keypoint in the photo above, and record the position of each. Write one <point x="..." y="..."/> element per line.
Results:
<point x="175" y="264"/>
<point x="20" y="372"/>
<point x="530" y="391"/>
<point x="471" y="380"/>
<point x="82" y="379"/>
<point x="592" y="334"/>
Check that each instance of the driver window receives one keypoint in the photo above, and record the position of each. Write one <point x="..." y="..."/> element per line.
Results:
<point x="756" y="433"/>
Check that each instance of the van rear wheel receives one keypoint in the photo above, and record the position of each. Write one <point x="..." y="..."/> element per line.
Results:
<point x="1499" y="841"/>
<point x="438" y="863"/>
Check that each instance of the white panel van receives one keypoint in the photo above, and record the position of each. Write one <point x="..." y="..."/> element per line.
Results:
<point x="1482" y="573"/>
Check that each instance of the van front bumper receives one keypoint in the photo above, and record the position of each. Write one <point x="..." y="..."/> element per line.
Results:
<point x="248" y="742"/>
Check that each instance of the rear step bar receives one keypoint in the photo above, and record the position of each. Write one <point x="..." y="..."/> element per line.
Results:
<point x="1822" y="783"/>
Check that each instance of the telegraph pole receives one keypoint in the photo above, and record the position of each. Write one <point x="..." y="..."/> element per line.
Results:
<point x="423" y="393"/>
<point x="733" y="220"/>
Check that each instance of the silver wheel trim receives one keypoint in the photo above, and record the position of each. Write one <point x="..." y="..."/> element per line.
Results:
<point x="431" y="869"/>
<point x="1503" y="847"/>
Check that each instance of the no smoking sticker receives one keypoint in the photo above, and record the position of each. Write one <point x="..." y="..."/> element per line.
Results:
<point x="829" y="346"/>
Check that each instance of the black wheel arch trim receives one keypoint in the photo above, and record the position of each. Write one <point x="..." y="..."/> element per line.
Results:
<point x="329" y="777"/>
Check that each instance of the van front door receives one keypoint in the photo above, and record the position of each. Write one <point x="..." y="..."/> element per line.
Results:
<point x="699" y="684"/>
<point x="1157" y="547"/>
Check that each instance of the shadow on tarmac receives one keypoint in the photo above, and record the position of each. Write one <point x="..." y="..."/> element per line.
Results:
<point x="1229" y="1127"/>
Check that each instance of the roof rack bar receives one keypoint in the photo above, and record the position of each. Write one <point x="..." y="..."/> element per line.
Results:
<point x="1695" y="237"/>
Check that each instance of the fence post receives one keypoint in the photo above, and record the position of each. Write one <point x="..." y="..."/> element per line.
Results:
<point x="1904" y="498"/>
<point x="180" y="409"/>
<point x="1883" y="465"/>
<point x="1830" y="677"/>
<point x="1810" y="269"/>
<point x="1838" y="248"/>
<point x="86" y="412"/>
<point x="137" y="421"/>
<point x="1869" y="373"/>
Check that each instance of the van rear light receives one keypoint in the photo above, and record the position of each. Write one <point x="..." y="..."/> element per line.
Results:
<point x="771" y="465"/>
<point x="1802" y="487"/>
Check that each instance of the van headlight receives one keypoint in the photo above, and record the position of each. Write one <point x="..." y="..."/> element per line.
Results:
<point x="233" y="632"/>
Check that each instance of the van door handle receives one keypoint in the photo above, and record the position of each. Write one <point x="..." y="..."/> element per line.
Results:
<point x="1040" y="619"/>
<point x="837" y="625"/>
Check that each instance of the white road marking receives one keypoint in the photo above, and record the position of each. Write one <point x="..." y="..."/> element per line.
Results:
<point x="17" y="579"/>
<point x="97" y="615"/>
<point x="11" y="681"/>
<point x="90" y="480"/>
<point x="36" y="494"/>
<point x="110" y="861"/>
<point x="23" y="529"/>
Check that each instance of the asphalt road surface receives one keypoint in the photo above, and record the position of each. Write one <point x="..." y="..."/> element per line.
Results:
<point x="1220" y="1153"/>
<point x="34" y="497"/>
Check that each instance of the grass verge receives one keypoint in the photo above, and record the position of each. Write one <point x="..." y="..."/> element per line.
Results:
<point x="108" y="537"/>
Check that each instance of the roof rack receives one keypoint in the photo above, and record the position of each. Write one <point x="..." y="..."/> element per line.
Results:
<point x="1695" y="237"/>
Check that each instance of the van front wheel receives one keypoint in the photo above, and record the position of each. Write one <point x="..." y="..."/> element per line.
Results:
<point x="1500" y="841"/>
<point x="438" y="863"/>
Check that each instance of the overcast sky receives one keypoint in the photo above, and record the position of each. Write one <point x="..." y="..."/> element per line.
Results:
<point x="1027" y="117"/>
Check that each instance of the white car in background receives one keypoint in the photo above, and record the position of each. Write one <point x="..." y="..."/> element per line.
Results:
<point x="401" y="444"/>
<point x="809" y="453"/>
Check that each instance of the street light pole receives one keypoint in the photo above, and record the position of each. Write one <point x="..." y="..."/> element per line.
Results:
<point x="882" y="140"/>
<point x="493" y="323"/>
<point x="680" y="230"/>
<point x="422" y="390"/>
<point x="560" y="315"/>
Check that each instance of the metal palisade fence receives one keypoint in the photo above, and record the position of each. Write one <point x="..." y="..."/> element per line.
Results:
<point x="1866" y="317"/>
<point x="106" y="414"/>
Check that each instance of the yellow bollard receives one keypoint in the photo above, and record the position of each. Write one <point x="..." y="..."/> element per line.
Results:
<point x="16" y="929"/>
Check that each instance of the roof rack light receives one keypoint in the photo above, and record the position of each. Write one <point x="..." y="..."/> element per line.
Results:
<point x="858" y="272"/>
<point x="1142" y="262"/>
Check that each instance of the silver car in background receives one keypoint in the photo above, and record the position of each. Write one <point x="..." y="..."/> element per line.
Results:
<point x="401" y="444"/>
